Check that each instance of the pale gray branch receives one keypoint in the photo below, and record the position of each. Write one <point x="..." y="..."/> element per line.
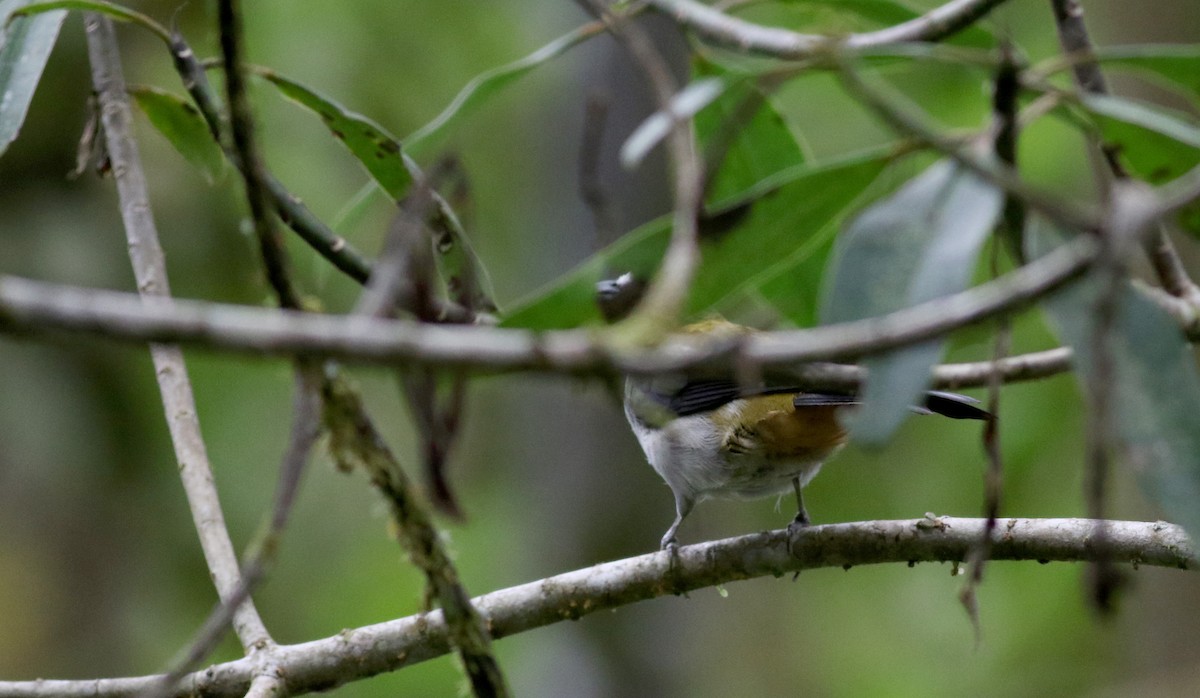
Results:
<point x="369" y="650"/>
<point x="717" y="26"/>
<point x="150" y="269"/>
<point x="30" y="305"/>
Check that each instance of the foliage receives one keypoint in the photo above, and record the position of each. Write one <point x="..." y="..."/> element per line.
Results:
<point x="823" y="203"/>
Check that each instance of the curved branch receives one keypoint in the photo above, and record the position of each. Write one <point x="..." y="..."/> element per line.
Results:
<point x="370" y="650"/>
<point x="717" y="26"/>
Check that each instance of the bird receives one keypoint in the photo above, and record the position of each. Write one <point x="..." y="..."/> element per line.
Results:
<point x="708" y="435"/>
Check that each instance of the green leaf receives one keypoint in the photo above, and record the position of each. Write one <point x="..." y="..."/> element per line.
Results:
<point x="784" y="212"/>
<point x="377" y="150"/>
<point x="793" y="286"/>
<point x="1157" y="144"/>
<point x="760" y="145"/>
<point x="113" y="10"/>
<point x="25" y="45"/>
<point x="919" y="244"/>
<point x="430" y="136"/>
<point x="183" y="126"/>
<point x="1155" y="385"/>
<point x="1178" y="65"/>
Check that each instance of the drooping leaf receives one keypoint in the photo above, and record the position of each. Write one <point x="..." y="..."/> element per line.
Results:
<point x="919" y="244"/>
<point x="183" y="126"/>
<point x="382" y="156"/>
<point x="784" y="212"/>
<point x="377" y="150"/>
<point x="430" y="136"/>
<point x="1155" y="385"/>
<point x="25" y="45"/>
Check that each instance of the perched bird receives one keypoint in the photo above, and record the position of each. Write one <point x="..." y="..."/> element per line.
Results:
<point x="713" y="437"/>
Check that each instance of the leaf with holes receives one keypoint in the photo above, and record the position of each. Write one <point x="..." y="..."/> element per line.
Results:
<point x="377" y="150"/>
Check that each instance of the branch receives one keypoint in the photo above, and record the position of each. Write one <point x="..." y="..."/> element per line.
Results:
<point x="170" y="370"/>
<point x="31" y="305"/>
<point x="659" y="309"/>
<point x="712" y="24"/>
<point x="1073" y="35"/>
<point x="909" y="122"/>
<point x="370" y="650"/>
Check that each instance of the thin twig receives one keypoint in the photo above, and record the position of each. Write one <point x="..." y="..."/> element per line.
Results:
<point x="306" y="422"/>
<point x="270" y="243"/>
<point x="1077" y="44"/>
<point x="402" y="281"/>
<point x="1005" y="127"/>
<point x="170" y="370"/>
<point x="290" y="208"/>
<point x="355" y="443"/>
<point x="366" y="651"/>
<point x="307" y="409"/>
<point x="659" y="309"/>
<point x="935" y="25"/>
<point x="905" y="120"/>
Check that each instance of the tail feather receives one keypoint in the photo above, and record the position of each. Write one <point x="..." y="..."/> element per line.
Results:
<point x="952" y="405"/>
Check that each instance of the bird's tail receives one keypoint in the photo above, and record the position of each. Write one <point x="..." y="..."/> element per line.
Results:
<point x="952" y="405"/>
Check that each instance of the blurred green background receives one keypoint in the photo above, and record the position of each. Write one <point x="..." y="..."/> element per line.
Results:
<point x="100" y="572"/>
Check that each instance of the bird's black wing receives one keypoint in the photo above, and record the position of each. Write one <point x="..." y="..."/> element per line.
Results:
<point x="824" y="400"/>
<point x="707" y="394"/>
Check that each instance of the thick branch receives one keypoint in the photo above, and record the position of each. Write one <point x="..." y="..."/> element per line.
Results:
<point x="712" y="24"/>
<point x="370" y="650"/>
<point x="149" y="267"/>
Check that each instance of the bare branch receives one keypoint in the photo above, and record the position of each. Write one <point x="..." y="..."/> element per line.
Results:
<point x="31" y="305"/>
<point x="370" y="650"/>
<point x="712" y="24"/>
<point x="150" y="269"/>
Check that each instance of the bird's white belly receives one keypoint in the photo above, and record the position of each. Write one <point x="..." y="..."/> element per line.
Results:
<point x="688" y="453"/>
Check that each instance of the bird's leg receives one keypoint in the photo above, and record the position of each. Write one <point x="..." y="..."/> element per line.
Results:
<point x="801" y="521"/>
<point x="683" y="506"/>
<point x="801" y="513"/>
